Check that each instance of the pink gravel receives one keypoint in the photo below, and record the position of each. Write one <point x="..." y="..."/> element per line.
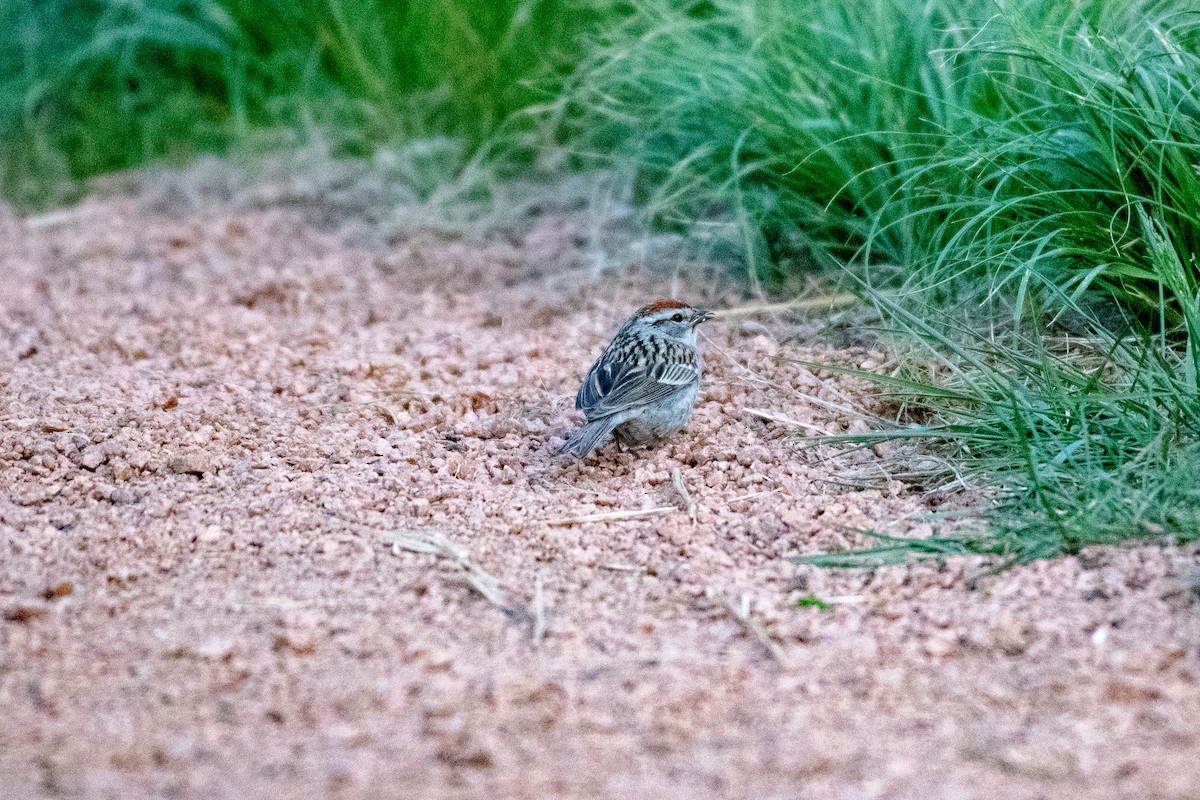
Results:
<point x="213" y="426"/>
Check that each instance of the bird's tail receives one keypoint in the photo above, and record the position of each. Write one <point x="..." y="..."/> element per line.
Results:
<point x="589" y="437"/>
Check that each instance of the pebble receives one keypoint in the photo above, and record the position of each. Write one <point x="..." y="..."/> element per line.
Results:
<point x="210" y="534"/>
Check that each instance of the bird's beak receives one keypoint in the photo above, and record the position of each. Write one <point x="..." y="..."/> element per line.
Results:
<point x="704" y="315"/>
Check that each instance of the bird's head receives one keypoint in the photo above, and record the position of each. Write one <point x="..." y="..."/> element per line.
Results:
<point x="673" y="318"/>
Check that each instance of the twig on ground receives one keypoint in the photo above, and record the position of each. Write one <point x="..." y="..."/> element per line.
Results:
<point x="741" y="613"/>
<point x="55" y="219"/>
<point x="474" y="576"/>
<point x="458" y="558"/>
<point x="487" y="585"/>
<point x="829" y="405"/>
<point x="608" y="516"/>
<point x="753" y="495"/>
<point x="387" y="411"/>
<point x="539" y="612"/>
<point x="770" y="416"/>
<point x="688" y="503"/>
<point x="621" y="567"/>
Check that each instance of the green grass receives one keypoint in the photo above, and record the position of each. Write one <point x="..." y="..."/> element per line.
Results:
<point x="101" y="85"/>
<point x="945" y="136"/>
<point x="792" y="120"/>
<point x="1083" y="439"/>
<point x="812" y="601"/>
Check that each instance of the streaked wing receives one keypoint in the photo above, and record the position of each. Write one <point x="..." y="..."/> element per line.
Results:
<point x="614" y="384"/>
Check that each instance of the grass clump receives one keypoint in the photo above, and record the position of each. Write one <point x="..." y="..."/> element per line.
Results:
<point x="948" y="136"/>
<point x="1080" y="439"/>
<point x="794" y="125"/>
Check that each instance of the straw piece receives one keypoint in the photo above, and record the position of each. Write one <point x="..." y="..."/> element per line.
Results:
<point x="688" y="503"/>
<point x="610" y="516"/>
<point x="771" y="416"/>
<point x="831" y="302"/>
<point x="754" y="628"/>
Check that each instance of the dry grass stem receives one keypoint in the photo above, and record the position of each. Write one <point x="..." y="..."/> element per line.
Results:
<point x="610" y="516"/>
<point x="752" y="495"/>
<point x="688" y="503"/>
<point x="929" y="473"/>
<point x="741" y="612"/>
<point x="831" y="302"/>
<point x="539" y="611"/>
<point x="847" y="410"/>
<point x="487" y="585"/>
<point x="387" y="412"/>
<point x="771" y="416"/>
<point x="56" y="219"/>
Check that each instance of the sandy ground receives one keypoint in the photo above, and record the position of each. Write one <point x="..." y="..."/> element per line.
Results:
<point x="226" y="436"/>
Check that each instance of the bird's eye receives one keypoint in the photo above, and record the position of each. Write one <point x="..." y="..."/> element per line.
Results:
<point x="677" y="318"/>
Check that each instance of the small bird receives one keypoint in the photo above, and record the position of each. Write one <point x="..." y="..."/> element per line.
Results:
<point x="643" y="387"/>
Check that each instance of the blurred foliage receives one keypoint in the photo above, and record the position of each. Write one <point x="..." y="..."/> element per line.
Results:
<point x="92" y="86"/>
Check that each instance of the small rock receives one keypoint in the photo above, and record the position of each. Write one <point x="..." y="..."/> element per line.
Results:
<point x="1127" y="691"/>
<point x="215" y="648"/>
<point x="763" y="344"/>
<point x="61" y="590"/>
<point x="941" y="644"/>
<point x="117" y="495"/>
<point x="25" y="612"/>
<point x="210" y="535"/>
<point x="1012" y="636"/>
<point x="26" y="343"/>
<point x="139" y="459"/>
<point x="190" y="464"/>
<point x="92" y="458"/>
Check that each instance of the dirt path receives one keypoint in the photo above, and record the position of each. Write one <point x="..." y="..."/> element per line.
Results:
<point x="213" y="427"/>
